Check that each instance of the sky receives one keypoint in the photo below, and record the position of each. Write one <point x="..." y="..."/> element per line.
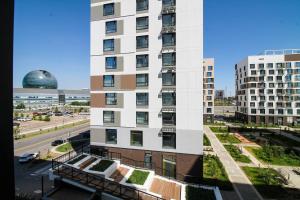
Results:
<point x="54" y="35"/>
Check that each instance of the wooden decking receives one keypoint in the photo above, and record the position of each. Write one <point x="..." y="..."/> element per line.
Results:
<point x="119" y="174"/>
<point x="87" y="163"/>
<point x="168" y="190"/>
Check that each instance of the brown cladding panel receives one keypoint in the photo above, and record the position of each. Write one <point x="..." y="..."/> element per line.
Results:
<point x="97" y="100"/>
<point x="292" y="57"/>
<point x="128" y="82"/>
<point x="96" y="83"/>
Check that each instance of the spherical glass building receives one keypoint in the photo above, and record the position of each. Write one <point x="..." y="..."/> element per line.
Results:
<point x="40" y="79"/>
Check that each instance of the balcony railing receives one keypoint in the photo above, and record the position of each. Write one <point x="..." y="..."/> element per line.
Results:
<point x="168" y="29"/>
<point x="169" y="8"/>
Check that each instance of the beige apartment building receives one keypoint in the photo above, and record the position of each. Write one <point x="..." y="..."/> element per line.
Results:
<point x="208" y="89"/>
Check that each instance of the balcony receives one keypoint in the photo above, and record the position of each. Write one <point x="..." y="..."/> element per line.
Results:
<point x="168" y="29"/>
<point x="168" y="8"/>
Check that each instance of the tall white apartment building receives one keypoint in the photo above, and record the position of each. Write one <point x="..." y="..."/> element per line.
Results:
<point x="268" y="88"/>
<point x="208" y="89"/>
<point x="146" y="83"/>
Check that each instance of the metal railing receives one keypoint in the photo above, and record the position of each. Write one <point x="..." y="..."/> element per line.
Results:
<point x="102" y="184"/>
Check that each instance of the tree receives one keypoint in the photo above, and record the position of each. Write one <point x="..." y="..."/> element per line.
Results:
<point x="20" y="106"/>
<point x="22" y="114"/>
<point x="56" y="110"/>
<point x="16" y="132"/>
<point x="47" y="118"/>
<point x="40" y="117"/>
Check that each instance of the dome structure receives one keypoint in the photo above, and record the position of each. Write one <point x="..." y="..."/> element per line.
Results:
<point x="40" y="79"/>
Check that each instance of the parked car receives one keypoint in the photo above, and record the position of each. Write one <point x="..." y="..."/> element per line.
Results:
<point x="57" y="142"/>
<point x="27" y="157"/>
<point x="58" y="114"/>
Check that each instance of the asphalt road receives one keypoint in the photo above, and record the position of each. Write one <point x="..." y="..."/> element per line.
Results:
<point x="28" y="176"/>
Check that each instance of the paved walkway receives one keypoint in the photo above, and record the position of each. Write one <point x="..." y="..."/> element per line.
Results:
<point x="241" y="183"/>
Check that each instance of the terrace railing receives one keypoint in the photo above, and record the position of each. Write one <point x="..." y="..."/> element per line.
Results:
<point x="102" y="184"/>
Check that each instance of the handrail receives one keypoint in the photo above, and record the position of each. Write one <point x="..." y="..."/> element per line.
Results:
<point x="105" y="184"/>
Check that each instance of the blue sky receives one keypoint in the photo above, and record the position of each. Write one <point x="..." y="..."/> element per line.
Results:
<point x="54" y="35"/>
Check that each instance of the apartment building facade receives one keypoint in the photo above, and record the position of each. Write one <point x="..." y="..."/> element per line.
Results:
<point x="268" y="88"/>
<point x="208" y="90"/>
<point x="146" y="83"/>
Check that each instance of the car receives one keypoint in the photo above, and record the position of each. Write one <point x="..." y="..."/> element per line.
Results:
<point x="27" y="157"/>
<point x="58" y="114"/>
<point x="57" y="142"/>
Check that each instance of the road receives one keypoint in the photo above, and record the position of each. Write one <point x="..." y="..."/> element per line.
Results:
<point x="28" y="176"/>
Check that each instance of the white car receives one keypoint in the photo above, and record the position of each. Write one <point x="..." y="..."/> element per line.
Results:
<point x="28" y="157"/>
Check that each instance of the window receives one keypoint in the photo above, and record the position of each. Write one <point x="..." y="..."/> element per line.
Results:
<point x="271" y="72"/>
<point x="297" y="64"/>
<point x="108" y="9"/>
<point x="271" y="111"/>
<point x="253" y="111"/>
<point x="252" y="104"/>
<point x="168" y="20"/>
<point x="288" y="65"/>
<point x="141" y="99"/>
<point x="168" y="59"/>
<point x="136" y="138"/>
<point x="270" y="78"/>
<point x="142" y="118"/>
<point x="280" y="111"/>
<point x="168" y="39"/>
<point x="169" y="79"/>
<point x="108" y="81"/>
<point x="262" y="111"/>
<point x="253" y="72"/>
<point x="111" y="99"/>
<point x="110" y="63"/>
<point x="208" y="110"/>
<point x="169" y="118"/>
<point x="168" y="2"/>
<point x="111" y="136"/>
<point x="141" y="80"/>
<point x="261" y="66"/>
<point x="108" y="45"/>
<point x="252" y="66"/>
<point x="169" y="99"/>
<point x="142" y="5"/>
<point x="142" y="61"/>
<point x="142" y="23"/>
<point x="108" y="117"/>
<point x="142" y="42"/>
<point x="270" y="65"/>
<point x="210" y="68"/>
<point x="169" y="140"/>
<point x="111" y="27"/>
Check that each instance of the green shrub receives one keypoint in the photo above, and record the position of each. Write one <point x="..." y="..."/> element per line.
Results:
<point x="219" y="129"/>
<point x="236" y="154"/>
<point x="138" y="177"/>
<point x="102" y="165"/>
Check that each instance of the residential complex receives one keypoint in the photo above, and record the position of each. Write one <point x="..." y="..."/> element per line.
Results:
<point x="146" y="83"/>
<point x="208" y="90"/>
<point x="268" y="88"/>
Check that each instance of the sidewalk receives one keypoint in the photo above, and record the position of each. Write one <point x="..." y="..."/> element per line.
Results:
<point x="241" y="184"/>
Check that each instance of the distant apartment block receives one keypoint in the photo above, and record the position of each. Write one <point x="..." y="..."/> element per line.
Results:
<point x="219" y="94"/>
<point x="268" y="88"/>
<point x="146" y="83"/>
<point x="208" y="90"/>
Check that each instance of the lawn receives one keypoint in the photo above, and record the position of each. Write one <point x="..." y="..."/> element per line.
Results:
<point x="228" y="138"/>
<point x="102" y="165"/>
<point x="268" y="182"/>
<point x="206" y="141"/>
<point x="64" y="148"/>
<point x="219" y="129"/>
<point x="193" y="193"/>
<point x="75" y="160"/>
<point x="236" y="154"/>
<point x="138" y="177"/>
<point x="214" y="173"/>
<point x="276" y="155"/>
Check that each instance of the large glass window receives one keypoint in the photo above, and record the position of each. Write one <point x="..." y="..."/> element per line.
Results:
<point x="111" y="27"/>
<point x="136" y="138"/>
<point x="111" y="62"/>
<point x="108" y="117"/>
<point x="168" y="39"/>
<point x="169" y="118"/>
<point x="142" y="118"/>
<point x="108" y="45"/>
<point x="142" y="61"/>
<point x="169" y="99"/>
<point x="141" y="80"/>
<point x="141" y="99"/>
<point x="169" y="79"/>
<point x="108" y="9"/>
<point x="169" y="2"/>
<point x="168" y="59"/>
<point x="108" y="81"/>
<point x="142" y="5"/>
<point x="142" y="42"/>
<point x="297" y="64"/>
<point x="169" y="140"/>
<point x="168" y="20"/>
<point x="111" y="99"/>
<point x="142" y="23"/>
<point x="111" y="136"/>
<point x="210" y="68"/>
